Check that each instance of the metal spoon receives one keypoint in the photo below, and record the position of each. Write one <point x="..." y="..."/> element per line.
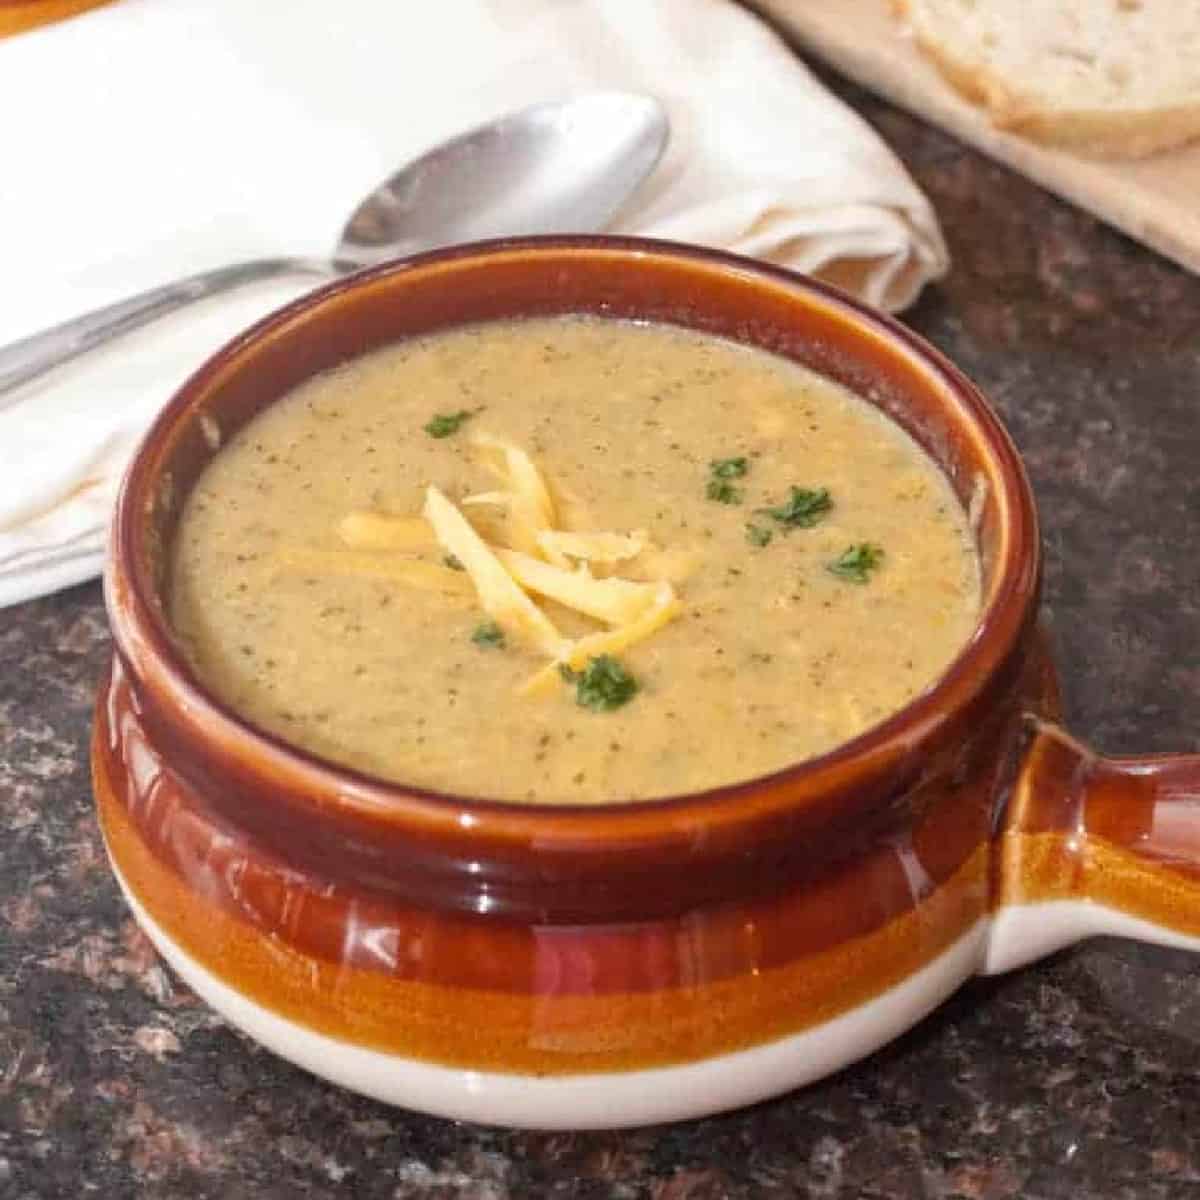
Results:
<point x="554" y="168"/>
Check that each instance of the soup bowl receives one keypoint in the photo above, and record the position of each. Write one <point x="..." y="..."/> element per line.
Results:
<point x="627" y="963"/>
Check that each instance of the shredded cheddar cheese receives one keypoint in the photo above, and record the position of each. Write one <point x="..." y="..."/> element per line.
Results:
<point x="594" y="547"/>
<point x="673" y="564"/>
<point x="522" y="474"/>
<point x="408" y="571"/>
<point x="377" y="531"/>
<point x="613" y="601"/>
<point x="501" y="499"/>
<point x="538" y="558"/>
<point x="530" y="507"/>
<point x="502" y="599"/>
<point x="663" y="608"/>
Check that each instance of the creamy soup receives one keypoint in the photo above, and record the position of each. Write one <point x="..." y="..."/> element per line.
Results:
<point x="752" y="565"/>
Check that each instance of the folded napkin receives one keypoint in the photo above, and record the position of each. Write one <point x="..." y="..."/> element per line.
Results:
<point x="182" y="136"/>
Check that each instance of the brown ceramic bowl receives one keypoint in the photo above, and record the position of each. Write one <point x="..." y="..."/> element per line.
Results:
<point x="612" y="966"/>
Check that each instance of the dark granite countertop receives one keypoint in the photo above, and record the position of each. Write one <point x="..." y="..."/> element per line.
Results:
<point x="1078" y="1077"/>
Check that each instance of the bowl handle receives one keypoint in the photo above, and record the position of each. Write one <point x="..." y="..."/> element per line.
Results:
<point x="1091" y="845"/>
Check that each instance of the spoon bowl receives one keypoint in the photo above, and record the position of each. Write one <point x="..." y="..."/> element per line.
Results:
<point x="553" y="168"/>
<point x="560" y="167"/>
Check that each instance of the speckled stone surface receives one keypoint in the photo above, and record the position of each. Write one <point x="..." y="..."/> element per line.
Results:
<point x="1076" y="1078"/>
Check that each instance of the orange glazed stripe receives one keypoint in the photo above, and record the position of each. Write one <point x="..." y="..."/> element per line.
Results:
<point x="540" y="1033"/>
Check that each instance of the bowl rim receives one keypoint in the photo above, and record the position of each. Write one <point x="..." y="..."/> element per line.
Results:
<point x="144" y="642"/>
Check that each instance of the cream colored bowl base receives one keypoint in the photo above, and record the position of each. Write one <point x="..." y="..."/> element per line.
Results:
<point x="1022" y="933"/>
<point x="595" y="1101"/>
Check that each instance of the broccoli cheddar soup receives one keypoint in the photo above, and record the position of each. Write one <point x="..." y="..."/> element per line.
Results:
<point x="571" y="560"/>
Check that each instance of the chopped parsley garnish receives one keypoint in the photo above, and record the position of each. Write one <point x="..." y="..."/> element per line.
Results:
<point x="488" y="634"/>
<point x="802" y="509"/>
<point x="758" y="535"/>
<point x="444" y="424"/>
<point x="723" y="492"/>
<point x="453" y="562"/>
<point x="856" y="563"/>
<point x="729" y="468"/>
<point x="721" y="471"/>
<point x="602" y="685"/>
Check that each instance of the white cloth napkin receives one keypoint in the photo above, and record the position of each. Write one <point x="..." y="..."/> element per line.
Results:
<point x="153" y="138"/>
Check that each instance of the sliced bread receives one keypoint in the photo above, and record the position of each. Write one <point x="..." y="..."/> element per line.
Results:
<point x="1110" y="78"/>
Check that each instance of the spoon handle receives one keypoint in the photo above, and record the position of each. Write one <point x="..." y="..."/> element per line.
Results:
<point x="26" y="359"/>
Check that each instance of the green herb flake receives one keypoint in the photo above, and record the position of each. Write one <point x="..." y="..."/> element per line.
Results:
<point x="729" y="468"/>
<point x="604" y="684"/>
<point x="444" y="424"/>
<point x="489" y="635"/>
<point x="453" y="562"/>
<point x="721" y="471"/>
<point x="802" y="509"/>
<point x="758" y="535"/>
<point x="723" y="492"/>
<point x="856" y="563"/>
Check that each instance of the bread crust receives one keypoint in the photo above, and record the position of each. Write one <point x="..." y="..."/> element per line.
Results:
<point x="1098" y="133"/>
